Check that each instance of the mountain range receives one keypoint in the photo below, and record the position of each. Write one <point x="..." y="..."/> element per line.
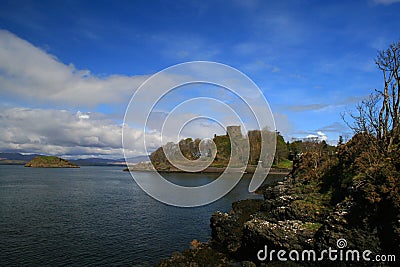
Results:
<point x="21" y="159"/>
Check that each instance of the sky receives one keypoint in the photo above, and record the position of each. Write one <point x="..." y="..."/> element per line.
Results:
<point x="68" y="69"/>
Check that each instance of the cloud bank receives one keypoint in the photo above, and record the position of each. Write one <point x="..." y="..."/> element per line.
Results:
<point x="60" y="132"/>
<point x="29" y="73"/>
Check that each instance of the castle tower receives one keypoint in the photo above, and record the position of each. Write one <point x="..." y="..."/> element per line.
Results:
<point x="234" y="132"/>
<point x="237" y="144"/>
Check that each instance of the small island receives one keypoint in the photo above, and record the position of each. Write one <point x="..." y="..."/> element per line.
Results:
<point x="50" y="162"/>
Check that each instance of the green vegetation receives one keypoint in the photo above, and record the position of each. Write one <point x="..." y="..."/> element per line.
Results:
<point x="50" y="162"/>
<point x="284" y="154"/>
<point x="284" y="164"/>
<point x="369" y="163"/>
<point x="282" y="150"/>
<point x="351" y="191"/>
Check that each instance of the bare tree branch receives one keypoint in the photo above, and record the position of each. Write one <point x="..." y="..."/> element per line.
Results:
<point x="378" y="114"/>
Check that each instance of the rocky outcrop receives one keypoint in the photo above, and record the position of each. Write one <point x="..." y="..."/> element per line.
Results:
<point x="50" y="162"/>
<point x="289" y="234"/>
<point x="200" y="254"/>
<point x="293" y="216"/>
<point x="322" y="204"/>
<point x="363" y="226"/>
<point x="274" y="222"/>
<point x="227" y="228"/>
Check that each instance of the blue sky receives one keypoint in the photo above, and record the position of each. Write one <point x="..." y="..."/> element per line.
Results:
<point x="69" y="68"/>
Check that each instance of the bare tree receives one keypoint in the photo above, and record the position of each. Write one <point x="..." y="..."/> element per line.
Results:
<point x="388" y="62"/>
<point x="378" y="115"/>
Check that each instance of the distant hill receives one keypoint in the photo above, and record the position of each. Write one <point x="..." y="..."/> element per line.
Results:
<point x="50" y="162"/>
<point x="21" y="159"/>
<point x="95" y="162"/>
<point x="108" y="162"/>
<point x="17" y="156"/>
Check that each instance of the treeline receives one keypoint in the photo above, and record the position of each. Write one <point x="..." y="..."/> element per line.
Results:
<point x="285" y="151"/>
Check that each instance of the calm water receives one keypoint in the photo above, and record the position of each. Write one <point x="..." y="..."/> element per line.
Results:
<point x="96" y="216"/>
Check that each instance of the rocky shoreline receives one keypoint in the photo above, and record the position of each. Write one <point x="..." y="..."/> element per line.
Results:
<point x="296" y="214"/>
<point x="147" y="166"/>
<point x="237" y="236"/>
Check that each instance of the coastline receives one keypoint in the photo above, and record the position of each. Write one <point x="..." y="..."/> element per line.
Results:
<point x="311" y="209"/>
<point x="145" y="167"/>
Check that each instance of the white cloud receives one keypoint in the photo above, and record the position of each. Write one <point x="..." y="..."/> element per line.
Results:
<point x="335" y="127"/>
<point x="30" y="73"/>
<point x="308" y="107"/>
<point x="320" y="136"/>
<point x="60" y="132"/>
<point x="312" y="136"/>
<point x="83" y="116"/>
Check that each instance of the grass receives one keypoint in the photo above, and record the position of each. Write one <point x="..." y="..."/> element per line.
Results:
<point x="48" y="159"/>
<point x="284" y="164"/>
